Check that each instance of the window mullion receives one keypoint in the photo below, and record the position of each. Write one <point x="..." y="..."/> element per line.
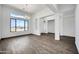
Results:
<point x="15" y="25"/>
<point x="24" y="25"/>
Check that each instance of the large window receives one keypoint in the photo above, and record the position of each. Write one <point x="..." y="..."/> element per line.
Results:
<point x="18" y="25"/>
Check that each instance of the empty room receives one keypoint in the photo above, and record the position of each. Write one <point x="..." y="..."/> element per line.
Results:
<point x="39" y="29"/>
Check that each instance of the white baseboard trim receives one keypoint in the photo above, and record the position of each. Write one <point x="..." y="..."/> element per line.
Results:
<point x="77" y="46"/>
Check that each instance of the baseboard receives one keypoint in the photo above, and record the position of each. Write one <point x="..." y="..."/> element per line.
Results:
<point x="66" y="36"/>
<point x="48" y="33"/>
<point x="77" y="47"/>
<point x="16" y="36"/>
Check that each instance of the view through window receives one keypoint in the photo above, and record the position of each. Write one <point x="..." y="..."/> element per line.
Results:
<point x="18" y="23"/>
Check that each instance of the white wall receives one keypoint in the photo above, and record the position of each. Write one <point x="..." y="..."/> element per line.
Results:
<point x="42" y="26"/>
<point x="6" y="22"/>
<point x="77" y="27"/>
<point x="51" y="26"/>
<point x="69" y="26"/>
<point x="67" y="22"/>
<point x="0" y="21"/>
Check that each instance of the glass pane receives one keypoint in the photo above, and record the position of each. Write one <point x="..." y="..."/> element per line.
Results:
<point x="16" y="15"/>
<point x="19" y="25"/>
<point x="26" y="25"/>
<point x="12" y="25"/>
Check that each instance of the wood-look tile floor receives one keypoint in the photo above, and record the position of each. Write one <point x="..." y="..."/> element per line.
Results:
<point x="32" y="44"/>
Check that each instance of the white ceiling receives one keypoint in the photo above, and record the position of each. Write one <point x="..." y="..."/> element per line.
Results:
<point x="34" y="8"/>
<point x="29" y="8"/>
<point x="65" y="7"/>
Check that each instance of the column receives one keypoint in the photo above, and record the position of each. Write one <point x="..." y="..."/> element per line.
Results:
<point x="57" y="35"/>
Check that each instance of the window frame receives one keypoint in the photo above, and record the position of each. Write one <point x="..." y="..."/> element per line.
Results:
<point x="16" y="24"/>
